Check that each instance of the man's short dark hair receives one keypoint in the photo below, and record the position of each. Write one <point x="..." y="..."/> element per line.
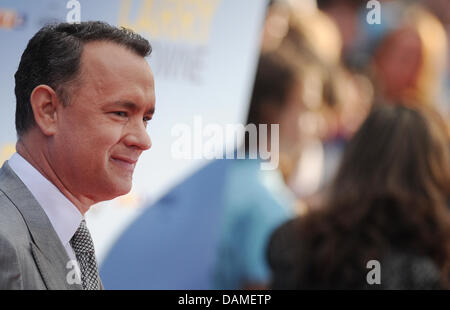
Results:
<point x="52" y="57"/>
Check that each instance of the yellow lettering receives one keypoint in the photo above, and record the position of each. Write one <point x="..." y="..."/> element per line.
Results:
<point x="206" y="11"/>
<point x="174" y="20"/>
<point x="124" y="13"/>
<point x="147" y="24"/>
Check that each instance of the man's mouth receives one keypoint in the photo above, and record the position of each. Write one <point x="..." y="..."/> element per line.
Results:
<point x="125" y="163"/>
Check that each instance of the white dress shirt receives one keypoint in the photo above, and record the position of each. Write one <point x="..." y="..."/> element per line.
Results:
<point x="62" y="213"/>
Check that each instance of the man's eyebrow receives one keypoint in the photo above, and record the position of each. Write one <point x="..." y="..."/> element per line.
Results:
<point x="131" y="106"/>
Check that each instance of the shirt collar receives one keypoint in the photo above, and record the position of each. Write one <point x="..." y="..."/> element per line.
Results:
<point x="62" y="213"/>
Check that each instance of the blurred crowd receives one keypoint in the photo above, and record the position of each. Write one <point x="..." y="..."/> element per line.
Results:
<point x="368" y="156"/>
<point x="364" y="163"/>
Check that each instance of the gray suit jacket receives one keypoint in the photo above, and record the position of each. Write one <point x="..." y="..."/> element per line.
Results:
<point x="31" y="253"/>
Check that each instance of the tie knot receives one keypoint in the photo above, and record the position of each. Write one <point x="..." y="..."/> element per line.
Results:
<point x="81" y="240"/>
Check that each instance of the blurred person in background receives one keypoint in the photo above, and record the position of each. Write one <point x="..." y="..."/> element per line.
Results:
<point x="388" y="202"/>
<point x="405" y="54"/>
<point x="345" y="14"/>
<point x="336" y="100"/>
<point x="257" y="201"/>
<point x="293" y="87"/>
<point x="409" y="62"/>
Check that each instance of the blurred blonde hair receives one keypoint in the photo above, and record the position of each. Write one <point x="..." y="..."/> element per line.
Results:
<point x="434" y="54"/>
<point x="318" y="30"/>
<point x="321" y="33"/>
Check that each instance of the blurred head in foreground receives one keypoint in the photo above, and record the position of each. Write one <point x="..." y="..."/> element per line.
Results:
<point x="388" y="203"/>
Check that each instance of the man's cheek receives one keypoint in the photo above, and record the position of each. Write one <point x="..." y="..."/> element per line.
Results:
<point x="111" y="134"/>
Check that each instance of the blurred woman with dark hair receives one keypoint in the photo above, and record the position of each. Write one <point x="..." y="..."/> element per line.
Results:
<point x="388" y="203"/>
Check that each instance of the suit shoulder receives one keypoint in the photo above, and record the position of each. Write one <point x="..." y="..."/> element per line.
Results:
<point x="12" y="224"/>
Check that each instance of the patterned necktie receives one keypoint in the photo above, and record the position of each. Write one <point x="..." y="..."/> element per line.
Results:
<point x="83" y="246"/>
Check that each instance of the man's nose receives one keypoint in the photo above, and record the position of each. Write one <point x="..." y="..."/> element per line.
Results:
<point x="137" y="136"/>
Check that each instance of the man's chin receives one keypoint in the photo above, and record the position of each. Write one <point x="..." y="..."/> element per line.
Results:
<point x="123" y="191"/>
<point x="117" y="190"/>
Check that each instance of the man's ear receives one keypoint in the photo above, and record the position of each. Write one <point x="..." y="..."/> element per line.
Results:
<point x="44" y="102"/>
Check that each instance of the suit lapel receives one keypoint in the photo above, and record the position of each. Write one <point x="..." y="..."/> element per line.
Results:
<point x="48" y="252"/>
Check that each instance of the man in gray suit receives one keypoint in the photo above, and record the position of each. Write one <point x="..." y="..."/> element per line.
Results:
<point x="84" y="96"/>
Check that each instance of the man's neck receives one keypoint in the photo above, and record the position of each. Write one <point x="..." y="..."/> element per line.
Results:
<point x="40" y="162"/>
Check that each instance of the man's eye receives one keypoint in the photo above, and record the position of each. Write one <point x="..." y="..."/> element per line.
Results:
<point x="121" y="113"/>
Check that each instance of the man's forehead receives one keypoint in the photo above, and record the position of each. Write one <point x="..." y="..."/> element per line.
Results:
<point x="104" y="62"/>
<point x="105" y="47"/>
<point x="110" y="56"/>
<point x="114" y="72"/>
